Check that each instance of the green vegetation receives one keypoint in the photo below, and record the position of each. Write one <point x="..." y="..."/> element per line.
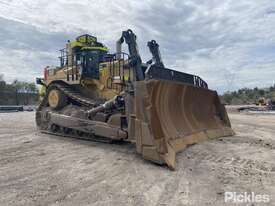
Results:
<point x="17" y="93"/>
<point x="248" y="96"/>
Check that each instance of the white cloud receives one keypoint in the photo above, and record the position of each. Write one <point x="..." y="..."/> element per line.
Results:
<point x="229" y="43"/>
<point x="24" y="65"/>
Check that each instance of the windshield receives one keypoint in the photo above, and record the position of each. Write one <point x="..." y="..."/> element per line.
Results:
<point x="90" y="60"/>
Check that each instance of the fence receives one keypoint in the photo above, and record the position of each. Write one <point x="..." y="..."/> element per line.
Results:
<point x="18" y="98"/>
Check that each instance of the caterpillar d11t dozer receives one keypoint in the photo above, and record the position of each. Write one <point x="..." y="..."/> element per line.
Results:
<point x="116" y="97"/>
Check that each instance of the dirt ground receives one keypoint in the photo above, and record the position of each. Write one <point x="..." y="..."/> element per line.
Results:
<point x="40" y="169"/>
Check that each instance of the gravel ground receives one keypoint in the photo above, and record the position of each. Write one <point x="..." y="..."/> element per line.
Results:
<point x="41" y="169"/>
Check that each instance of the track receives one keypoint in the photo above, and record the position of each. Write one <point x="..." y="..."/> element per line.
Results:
<point x="75" y="95"/>
<point x="60" y="131"/>
<point x="82" y="136"/>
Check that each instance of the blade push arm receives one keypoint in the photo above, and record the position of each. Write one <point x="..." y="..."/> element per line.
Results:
<point x="154" y="49"/>
<point x="135" y="60"/>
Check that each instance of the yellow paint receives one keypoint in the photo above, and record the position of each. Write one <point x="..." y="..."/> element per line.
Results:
<point x="95" y="48"/>
<point x="82" y="39"/>
<point x="53" y="98"/>
<point x="101" y="86"/>
<point x="84" y="46"/>
<point x="42" y="91"/>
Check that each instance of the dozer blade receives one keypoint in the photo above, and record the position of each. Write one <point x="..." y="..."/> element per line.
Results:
<point x="172" y="115"/>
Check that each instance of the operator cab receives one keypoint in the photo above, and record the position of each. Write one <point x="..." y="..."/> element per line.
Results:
<point x="83" y="56"/>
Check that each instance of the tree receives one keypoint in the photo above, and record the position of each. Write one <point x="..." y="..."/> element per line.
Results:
<point x="248" y="96"/>
<point x="261" y="92"/>
<point x="1" y="77"/>
<point x="2" y="82"/>
<point x="31" y="88"/>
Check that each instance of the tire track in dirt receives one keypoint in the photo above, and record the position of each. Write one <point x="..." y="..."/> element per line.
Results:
<point x="250" y="141"/>
<point x="234" y="161"/>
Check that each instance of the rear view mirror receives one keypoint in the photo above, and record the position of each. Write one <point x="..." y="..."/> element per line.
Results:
<point x="39" y="81"/>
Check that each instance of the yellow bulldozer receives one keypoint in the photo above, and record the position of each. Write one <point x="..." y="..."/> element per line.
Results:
<point x="262" y="101"/>
<point x="114" y="97"/>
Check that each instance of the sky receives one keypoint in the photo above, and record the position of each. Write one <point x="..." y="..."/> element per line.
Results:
<point x="229" y="43"/>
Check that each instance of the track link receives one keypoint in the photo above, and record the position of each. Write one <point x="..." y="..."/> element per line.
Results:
<point x="77" y="97"/>
<point x="75" y="136"/>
